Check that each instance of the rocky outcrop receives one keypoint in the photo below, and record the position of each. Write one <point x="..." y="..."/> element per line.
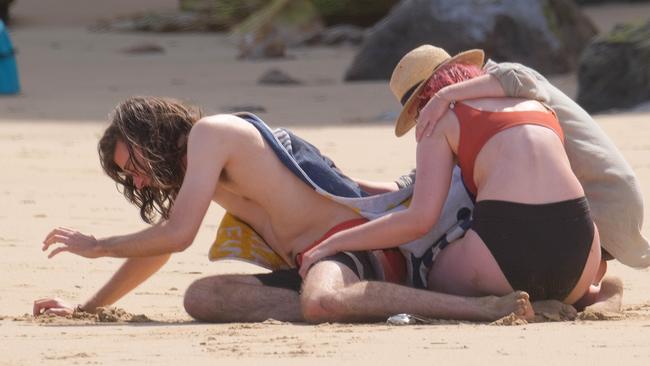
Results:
<point x="545" y="34"/>
<point x="358" y="12"/>
<point x="614" y="69"/>
<point x="363" y="13"/>
<point x="590" y="2"/>
<point x="224" y="13"/>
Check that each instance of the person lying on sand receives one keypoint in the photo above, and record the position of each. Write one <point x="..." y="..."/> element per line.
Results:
<point x="171" y="161"/>
<point x="416" y="69"/>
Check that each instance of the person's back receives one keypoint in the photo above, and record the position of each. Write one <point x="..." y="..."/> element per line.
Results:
<point x="520" y="163"/>
<point x="291" y="215"/>
<point x="529" y="204"/>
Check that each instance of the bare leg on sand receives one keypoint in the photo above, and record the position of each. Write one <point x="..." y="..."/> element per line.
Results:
<point x="333" y="293"/>
<point x="240" y="298"/>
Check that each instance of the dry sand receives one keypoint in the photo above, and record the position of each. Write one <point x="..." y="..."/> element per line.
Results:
<point x="50" y="177"/>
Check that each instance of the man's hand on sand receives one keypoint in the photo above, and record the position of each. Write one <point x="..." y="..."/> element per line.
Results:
<point x="53" y="306"/>
<point x="73" y="242"/>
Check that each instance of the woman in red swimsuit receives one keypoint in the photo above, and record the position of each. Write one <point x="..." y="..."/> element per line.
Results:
<point x="532" y="229"/>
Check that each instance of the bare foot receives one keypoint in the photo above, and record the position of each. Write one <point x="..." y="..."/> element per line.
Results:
<point x="517" y="303"/>
<point x="610" y="297"/>
<point x="553" y="310"/>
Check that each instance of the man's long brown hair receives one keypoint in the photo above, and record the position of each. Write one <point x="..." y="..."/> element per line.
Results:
<point x="158" y="128"/>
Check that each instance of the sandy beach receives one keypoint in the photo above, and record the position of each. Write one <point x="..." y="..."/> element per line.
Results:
<point x="72" y="78"/>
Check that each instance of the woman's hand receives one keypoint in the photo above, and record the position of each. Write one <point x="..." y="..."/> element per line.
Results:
<point x="429" y="116"/>
<point x="73" y="242"/>
<point x="53" y="306"/>
<point x="313" y="255"/>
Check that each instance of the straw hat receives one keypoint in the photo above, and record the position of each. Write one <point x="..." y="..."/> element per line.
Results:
<point x="414" y="70"/>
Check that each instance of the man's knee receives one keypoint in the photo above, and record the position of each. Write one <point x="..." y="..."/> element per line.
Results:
<point x="322" y="298"/>
<point x="321" y="306"/>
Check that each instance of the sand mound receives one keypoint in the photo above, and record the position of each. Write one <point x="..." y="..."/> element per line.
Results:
<point x="599" y="315"/>
<point x="103" y="315"/>
<point x="111" y="315"/>
<point x="510" y="320"/>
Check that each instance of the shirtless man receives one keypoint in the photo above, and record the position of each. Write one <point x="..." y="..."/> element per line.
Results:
<point x="173" y="162"/>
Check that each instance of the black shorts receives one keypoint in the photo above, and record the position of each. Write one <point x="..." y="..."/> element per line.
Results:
<point x="358" y="262"/>
<point x="541" y="249"/>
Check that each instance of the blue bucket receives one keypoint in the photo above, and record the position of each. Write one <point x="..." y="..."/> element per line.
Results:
<point x="8" y="71"/>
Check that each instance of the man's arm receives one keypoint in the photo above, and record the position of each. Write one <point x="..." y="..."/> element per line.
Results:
<point x="519" y="81"/>
<point x="372" y="187"/>
<point x="211" y="142"/>
<point x="130" y="275"/>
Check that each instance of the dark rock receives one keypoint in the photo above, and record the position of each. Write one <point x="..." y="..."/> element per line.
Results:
<point x="277" y="77"/>
<point x="614" y="70"/>
<point x="589" y="2"/>
<point x="362" y="13"/>
<point x="143" y="49"/>
<point x="545" y="34"/>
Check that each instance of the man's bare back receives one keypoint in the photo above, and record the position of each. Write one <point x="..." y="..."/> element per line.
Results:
<point x="259" y="189"/>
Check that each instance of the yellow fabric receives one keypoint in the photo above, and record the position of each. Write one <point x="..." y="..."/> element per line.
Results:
<point x="237" y="240"/>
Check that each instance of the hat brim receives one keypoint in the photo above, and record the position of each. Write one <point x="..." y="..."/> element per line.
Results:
<point x="407" y="118"/>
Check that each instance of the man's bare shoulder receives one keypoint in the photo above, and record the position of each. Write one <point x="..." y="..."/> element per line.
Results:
<point x="221" y="128"/>
<point x="223" y="123"/>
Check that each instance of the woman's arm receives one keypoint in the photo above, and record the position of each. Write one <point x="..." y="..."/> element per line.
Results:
<point x="211" y="142"/>
<point x="435" y="164"/>
<point x="484" y="86"/>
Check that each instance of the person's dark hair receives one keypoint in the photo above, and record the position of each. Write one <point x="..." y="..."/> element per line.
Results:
<point x="158" y="127"/>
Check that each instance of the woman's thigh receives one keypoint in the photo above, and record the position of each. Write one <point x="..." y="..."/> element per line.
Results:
<point x="466" y="267"/>
<point x="589" y="272"/>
